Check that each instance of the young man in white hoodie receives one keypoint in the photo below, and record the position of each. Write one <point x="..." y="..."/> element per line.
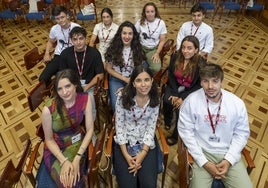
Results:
<point x="213" y="124"/>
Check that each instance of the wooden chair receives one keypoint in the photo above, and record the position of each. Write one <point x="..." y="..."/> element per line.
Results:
<point x="231" y="5"/>
<point x="210" y="5"/>
<point x="42" y="13"/>
<point x="164" y="146"/>
<point x="32" y="58"/>
<point x="11" y="174"/>
<point x="95" y="159"/>
<point x="11" y="10"/>
<point x="80" y="16"/>
<point x="166" y="48"/>
<point x="185" y="160"/>
<point x="257" y="7"/>
<point x="37" y="95"/>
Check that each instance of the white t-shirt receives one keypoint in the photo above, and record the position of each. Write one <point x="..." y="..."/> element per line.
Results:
<point x="62" y="37"/>
<point x="204" y="33"/>
<point x="150" y="32"/>
<point x="105" y="36"/>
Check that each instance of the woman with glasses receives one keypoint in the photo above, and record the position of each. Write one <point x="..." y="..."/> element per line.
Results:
<point x="105" y="31"/>
<point x="124" y="53"/>
<point x="152" y="30"/>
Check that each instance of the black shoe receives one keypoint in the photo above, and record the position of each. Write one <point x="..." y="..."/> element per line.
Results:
<point x="171" y="141"/>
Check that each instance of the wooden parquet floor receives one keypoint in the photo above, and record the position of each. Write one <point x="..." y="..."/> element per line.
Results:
<point x="241" y="49"/>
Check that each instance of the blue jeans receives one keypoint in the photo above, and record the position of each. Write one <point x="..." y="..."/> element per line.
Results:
<point x="114" y="85"/>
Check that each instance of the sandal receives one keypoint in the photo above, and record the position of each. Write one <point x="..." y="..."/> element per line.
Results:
<point x="171" y="141"/>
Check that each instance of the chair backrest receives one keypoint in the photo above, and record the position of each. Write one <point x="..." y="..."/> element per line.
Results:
<point x="81" y="3"/>
<point x="11" y="175"/>
<point x="13" y="5"/>
<point x="32" y="57"/>
<point x="37" y="95"/>
<point x="166" y="48"/>
<point x="96" y="157"/>
<point x="183" y="172"/>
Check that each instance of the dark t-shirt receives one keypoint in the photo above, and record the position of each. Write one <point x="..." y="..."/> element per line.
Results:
<point x="92" y="64"/>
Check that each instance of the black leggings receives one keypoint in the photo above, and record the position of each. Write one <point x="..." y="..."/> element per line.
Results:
<point x="50" y="70"/>
<point x="168" y="115"/>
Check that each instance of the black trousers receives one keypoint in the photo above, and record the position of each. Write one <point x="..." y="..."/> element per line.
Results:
<point x="168" y="115"/>
<point x="50" y="70"/>
<point x="146" y="176"/>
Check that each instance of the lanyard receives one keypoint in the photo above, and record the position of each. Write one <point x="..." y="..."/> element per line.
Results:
<point x="150" y="34"/>
<point x="68" y="41"/>
<point x="80" y="70"/>
<point x="129" y="57"/>
<point x="134" y="115"/>
<point x="213" y="126"/>
<point x="105" y="39"/>
<point x="195" y="30"/>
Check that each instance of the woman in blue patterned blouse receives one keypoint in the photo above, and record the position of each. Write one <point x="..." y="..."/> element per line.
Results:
<point x="134" y="149"/>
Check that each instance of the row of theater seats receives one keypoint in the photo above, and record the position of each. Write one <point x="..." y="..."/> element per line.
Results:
<point x="220" y="6"/>
<point x="25" y="9"/>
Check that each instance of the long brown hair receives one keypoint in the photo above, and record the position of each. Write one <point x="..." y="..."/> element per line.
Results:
<point x="193" y="62"/>
<point x="73" y="78"/>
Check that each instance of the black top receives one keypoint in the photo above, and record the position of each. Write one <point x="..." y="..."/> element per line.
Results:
<point x="92" y="65"/>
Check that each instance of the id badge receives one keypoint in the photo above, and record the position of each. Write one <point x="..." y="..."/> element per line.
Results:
<point x="214" y="138"/>
<point x="83" y="82"/>
<point x="76" y="138"/>
<point x="181" y="89"/>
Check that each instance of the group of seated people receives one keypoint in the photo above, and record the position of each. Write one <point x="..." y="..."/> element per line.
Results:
<point x="211" y="121"/>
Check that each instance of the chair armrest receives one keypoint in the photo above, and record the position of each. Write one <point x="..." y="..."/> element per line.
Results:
<point x="249" y="160"/>
<point x="163" y="140"/>
<point x="190" y="158"/>
<point x="90" y="150"/>
<point x="106" y="81"/>
<point x="33" y="158"/>
<point x="109" y="144"/>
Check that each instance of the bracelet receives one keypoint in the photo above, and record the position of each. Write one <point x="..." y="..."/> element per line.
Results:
<point x="79" y="154"/>
<point x="145" y="150"/>
<point x="63" y="161"/>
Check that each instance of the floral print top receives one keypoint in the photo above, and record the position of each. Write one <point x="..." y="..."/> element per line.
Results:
<point x="135" y="125"/>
